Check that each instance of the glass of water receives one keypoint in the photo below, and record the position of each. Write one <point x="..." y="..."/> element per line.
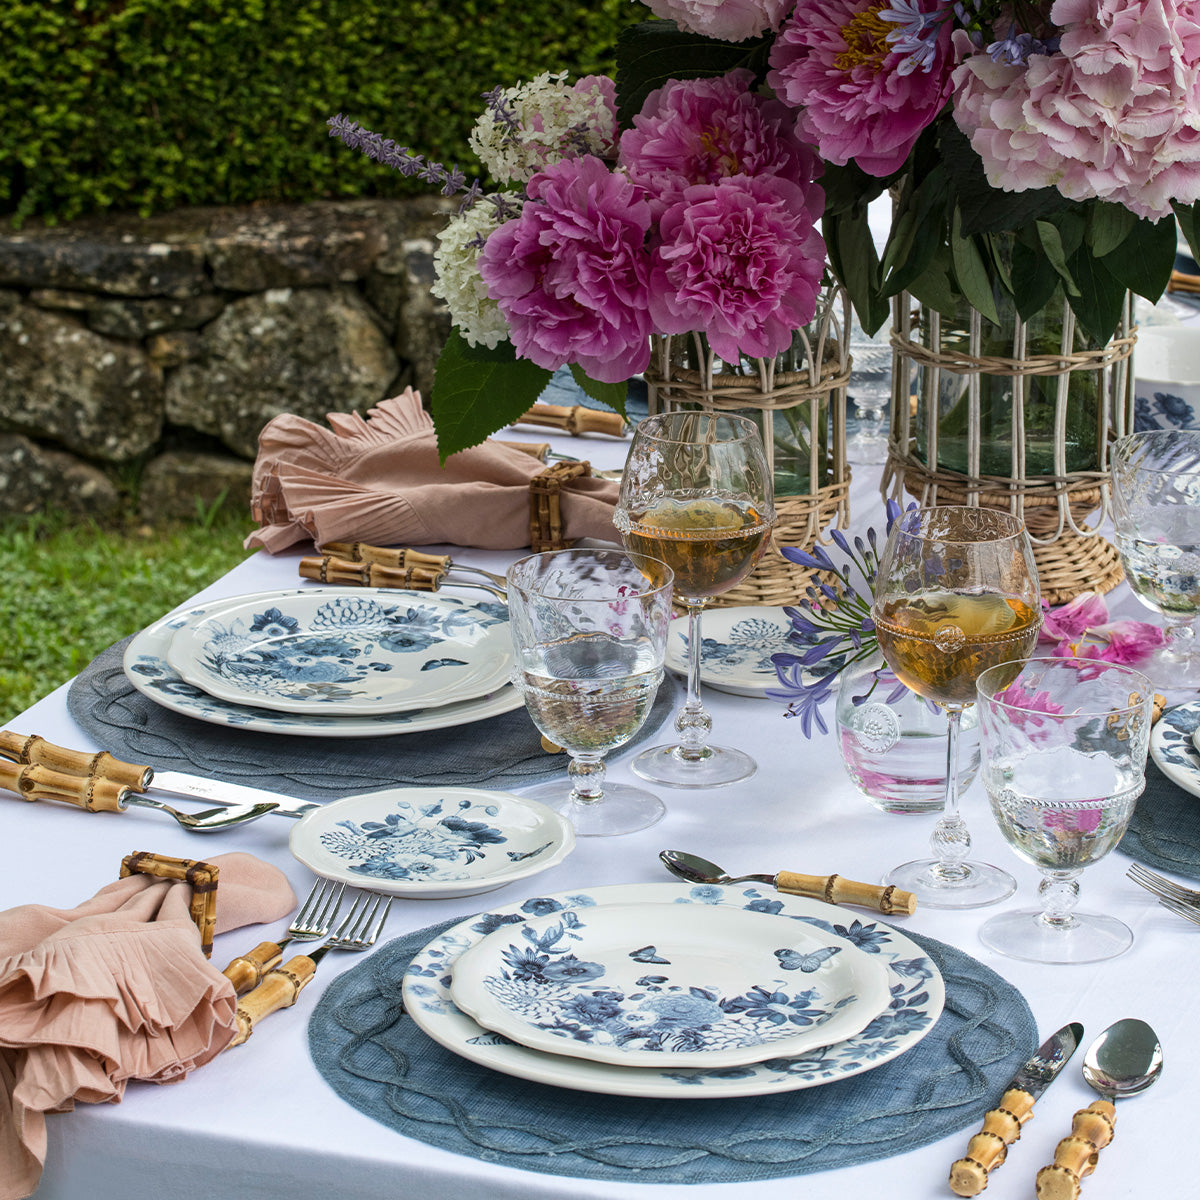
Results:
<point x="1064" y="760"/>
<point x="589" y="630"/>
<point x="1156" y="509"/>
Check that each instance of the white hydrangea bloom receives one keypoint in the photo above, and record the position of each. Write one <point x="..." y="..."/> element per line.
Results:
<point x="458" y="281"/>
<point x="554" y="121"/>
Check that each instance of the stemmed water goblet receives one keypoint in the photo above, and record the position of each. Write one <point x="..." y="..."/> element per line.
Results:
<point x="696" y="493"/>
<point x="589" y="631"/>
<point x="1064" y="760"/>
<point x="870" y="388"/>
<point x="1156" y="508"/>
<point x="956" y="592"/>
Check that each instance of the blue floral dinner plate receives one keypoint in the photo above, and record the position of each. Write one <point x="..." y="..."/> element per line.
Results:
<point x="915" y="985"/>
<point x="1173" y="748"/>
<point x="736" y="645"/>
<point x="669" y="985"/>
<point x="344" y="651"/>
<point x="431" y="843"/>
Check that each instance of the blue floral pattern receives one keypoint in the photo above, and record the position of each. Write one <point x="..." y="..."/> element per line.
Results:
<point x="915" y="987"/>
<point x="1172" y="746"/>
<point x="1166" y="412"/>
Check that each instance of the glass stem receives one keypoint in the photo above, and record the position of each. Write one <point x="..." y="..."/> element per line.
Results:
<point x="692" y="723"/>
<point x="586" y="772"/>
<point x="950" y="840"/>
<point x="1179" y="640"/>
<point x="1058" y="893"/>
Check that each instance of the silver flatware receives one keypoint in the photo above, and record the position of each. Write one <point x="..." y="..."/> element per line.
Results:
<point x="1161" y="886"/>
<point x="1123" y="1061"/>
<point x="1002" y="1124"/>
<point x="833" y="889"/>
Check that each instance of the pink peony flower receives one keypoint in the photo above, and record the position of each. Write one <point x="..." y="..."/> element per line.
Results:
<point x="1069" y="627"/>
<point x="1128" y="642"/>
<point x="739" y="260"/>
<point x="569" y="274"/>
<point x="725" y="20"/>
<point x="833" y="62"/>
<point x="701" y="130"/>
<point x="1073" y="619"/>
<point x="1113" y="116"/>
<point x="1033" y="702"/>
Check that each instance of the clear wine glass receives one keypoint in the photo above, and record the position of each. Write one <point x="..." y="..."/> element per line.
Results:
<point x="870" y="388"/>
<point x="1064" y="761"/>
<point x="1156" y="508"/>
<point x="697" y="494"/>
<point x="589" y="631"/>
<point x="956" y="592"/>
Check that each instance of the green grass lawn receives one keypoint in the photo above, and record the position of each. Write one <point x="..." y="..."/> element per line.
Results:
<point x="69" y="589"/>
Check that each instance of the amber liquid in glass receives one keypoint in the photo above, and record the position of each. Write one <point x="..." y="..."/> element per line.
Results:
<point x="710" y="544"/>
<point x="939" y="643"/>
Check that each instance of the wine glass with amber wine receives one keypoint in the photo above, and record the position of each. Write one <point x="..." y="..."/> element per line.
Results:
<point x="956" y="593"/>
<point x="696" y="493"/>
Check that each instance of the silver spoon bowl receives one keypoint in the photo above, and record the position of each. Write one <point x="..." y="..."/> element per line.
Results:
<point x="693" y="869"/>
<point x="211" y="819"/>
<point x="1124" y="1060"/>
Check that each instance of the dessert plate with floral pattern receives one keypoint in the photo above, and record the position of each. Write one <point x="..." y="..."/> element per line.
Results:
<point x="1173" y="745"/>
<point x="736" y="648"/>
<point x="669" y="985"/>
<point x="431" y="843"/>
<point x="915" y="984"/>
<point x="340" y="650"/>
<point x="146" y="667"/>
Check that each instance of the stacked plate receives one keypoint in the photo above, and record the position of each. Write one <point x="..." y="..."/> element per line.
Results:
<point x="329" y="663"/>
<point x="664" y="990"/>
<point x="1175" y="745"/>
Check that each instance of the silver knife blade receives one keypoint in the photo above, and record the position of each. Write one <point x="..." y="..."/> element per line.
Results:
<point x="216" y="792"/>
<point x="1036" y="1075"/>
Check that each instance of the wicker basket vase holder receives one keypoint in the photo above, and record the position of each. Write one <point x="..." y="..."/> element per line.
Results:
<point x="1063" y="508"/>
<point x="809" y="385"/>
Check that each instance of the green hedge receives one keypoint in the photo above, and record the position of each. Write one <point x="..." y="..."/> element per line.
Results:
<point x="148" y="105"/>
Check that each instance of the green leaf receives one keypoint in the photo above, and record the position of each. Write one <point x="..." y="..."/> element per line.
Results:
<point x="929" y="232"/>
<point x="1188" y="216"/>
<point x="477" y="391"/>
<point x="852" y="256"/>
<point x="612" y="394"/>
<point x="1052" y="245"/>
<point x="971" y="271"/>
<point x="934" y="287"/>
<point x="1144" y="260"/>
<point x="653" y="52"/>
<point x="1108" y="226"/>
<point x="1034" y="279"/>
<point x="1099" y="297"/>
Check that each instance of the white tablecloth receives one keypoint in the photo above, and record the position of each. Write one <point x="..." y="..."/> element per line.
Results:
<point x="260" y="1122"/>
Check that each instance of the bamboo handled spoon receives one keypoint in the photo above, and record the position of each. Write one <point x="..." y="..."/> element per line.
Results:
<point x="1123" y="1061"/>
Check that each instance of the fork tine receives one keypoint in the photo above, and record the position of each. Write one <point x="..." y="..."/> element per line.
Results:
<point x="1161" y="886"/>
<point x="318" y="911"/>
<point x="361" y="927"/>
<point x="1187" y="911"/>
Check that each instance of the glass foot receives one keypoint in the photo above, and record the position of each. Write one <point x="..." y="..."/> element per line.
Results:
<point x="1082" y="938"/>
<point x="715" y="766"/>
<point x="968" y="885"/>
<point x="623" y="809"/>
<point x="1174" y="669"/>
<point x="865" y="449"/>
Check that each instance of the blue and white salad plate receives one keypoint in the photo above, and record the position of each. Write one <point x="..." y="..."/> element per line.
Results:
<point x="736" y="645"/>
<point x="1173" y="745"/>
<point x="673" y="985"/>
<point x="344" y="651"/>
<point x="915" y="988"/>
<point x="146" y="667"/>
<point x="431" y="843"/>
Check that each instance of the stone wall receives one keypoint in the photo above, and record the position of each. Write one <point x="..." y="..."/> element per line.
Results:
<point x="144" y="356"/>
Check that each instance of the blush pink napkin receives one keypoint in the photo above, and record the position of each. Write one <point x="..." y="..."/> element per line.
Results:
<point x="379" y="480"/>
<point x="113" y="990"/>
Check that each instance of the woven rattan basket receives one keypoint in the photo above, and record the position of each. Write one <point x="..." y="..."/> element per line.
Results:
<point x="805" y="389"/>
<point x="1064" y="508"/>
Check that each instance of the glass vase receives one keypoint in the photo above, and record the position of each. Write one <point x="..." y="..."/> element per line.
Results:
<point x="894" y="743"/>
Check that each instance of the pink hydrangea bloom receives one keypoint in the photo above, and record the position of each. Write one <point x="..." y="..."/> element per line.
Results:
<point x="701" y="130"/>
<point x="725" y="20"/>
<point x="833" y="62"/>
<point x="1114" y="115"/>
<point x="569" y="273"/>
<point x="739" y="260"/>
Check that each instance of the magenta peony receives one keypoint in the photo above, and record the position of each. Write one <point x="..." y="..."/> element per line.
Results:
<point x="569" y="273"/>
<point x="725" y="20"/>
<point x="1115" y="115"/>
<point x="739" y="260"/>
<point x="833" y="62"/>
<point x="701" y="130"/>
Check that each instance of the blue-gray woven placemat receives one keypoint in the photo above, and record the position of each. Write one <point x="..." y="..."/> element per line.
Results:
<point x="1164" y="831"/>
<point x="377" y="1059"/>
<point x="500" y="752"/>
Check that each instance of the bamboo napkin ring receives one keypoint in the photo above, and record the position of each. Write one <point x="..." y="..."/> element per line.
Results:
<point x="545" y="504"/>
<point x="201" y="877"/>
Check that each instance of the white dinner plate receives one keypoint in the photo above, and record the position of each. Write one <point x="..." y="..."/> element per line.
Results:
<point x="917" y="992"/>
<point x="1172" y="746"/>
<point x="736" y="645"/>
<point x="347" y="651"/>
<point x="669" y="985"/>
<point x="431" y="843"/>
<point x="146" y="667"/>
